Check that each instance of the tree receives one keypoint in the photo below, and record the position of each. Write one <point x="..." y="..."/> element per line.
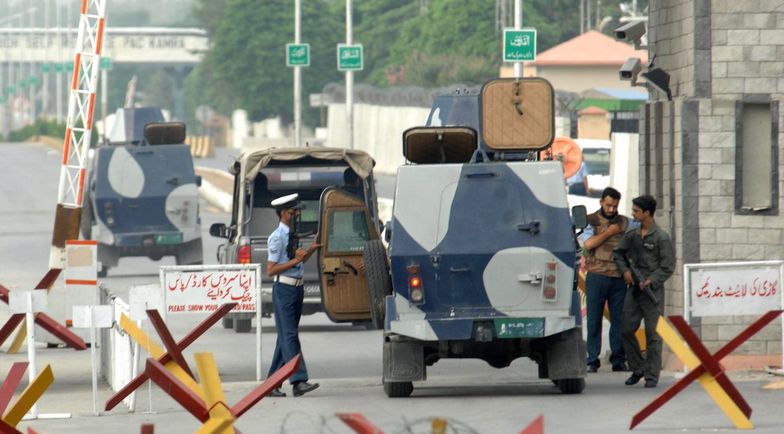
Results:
<point x="246" y="68"/>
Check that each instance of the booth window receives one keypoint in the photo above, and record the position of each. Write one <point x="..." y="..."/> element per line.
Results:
<point x="756" y="152"/>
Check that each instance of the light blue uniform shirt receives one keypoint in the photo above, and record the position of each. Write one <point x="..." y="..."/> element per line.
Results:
<point x="276" y="251"/>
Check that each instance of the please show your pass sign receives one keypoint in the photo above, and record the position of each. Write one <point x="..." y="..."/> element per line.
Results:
<point x="733" y="288"/>
<point x="199" y="289"/>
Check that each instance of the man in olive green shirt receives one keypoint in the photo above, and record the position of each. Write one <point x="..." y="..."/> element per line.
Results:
<point x="645" y="259"/>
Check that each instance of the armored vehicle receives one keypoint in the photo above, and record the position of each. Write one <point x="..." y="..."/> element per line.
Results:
<point x="339" y="177"/>
<point x="142" y="193"/>
<point x="482" y="247"/>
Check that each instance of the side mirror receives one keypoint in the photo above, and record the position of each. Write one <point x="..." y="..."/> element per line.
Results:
<point x="198" y="181"/>
<point x="387" y="231"/>
<point x="219" y="230"/>
<point x="579" y="217"/>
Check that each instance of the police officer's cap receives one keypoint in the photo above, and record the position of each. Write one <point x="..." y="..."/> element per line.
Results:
<point x="288" y="201"/>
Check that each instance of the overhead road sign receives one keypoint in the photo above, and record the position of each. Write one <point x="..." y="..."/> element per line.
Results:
<point x="350" y="57"/>
<point x="297" y="55"/>
<point x="519" y="45"/>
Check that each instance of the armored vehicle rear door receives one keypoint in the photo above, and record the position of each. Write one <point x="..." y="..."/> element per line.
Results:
<point x="344" y="228"/>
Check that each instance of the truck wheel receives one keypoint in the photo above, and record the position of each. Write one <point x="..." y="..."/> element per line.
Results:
<point x="397" y="389"/>
<point x="227" y="323"/>
<point x="570" y="386"/>
<point x="378" y="279"/>
<point x="103" y="271"/>
<point x="242" y="325"/>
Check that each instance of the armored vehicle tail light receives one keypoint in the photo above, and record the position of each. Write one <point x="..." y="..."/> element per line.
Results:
<point x="415" y="291"/>
<point x="243" y="254"/>
<point x="108" y="208"/>
<point x="549" y="288"/>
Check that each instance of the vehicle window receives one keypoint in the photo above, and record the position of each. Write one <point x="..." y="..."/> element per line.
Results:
<point x="347" y="231"/>
<point x="309" y="211"/>
<point x="597" y="160"/>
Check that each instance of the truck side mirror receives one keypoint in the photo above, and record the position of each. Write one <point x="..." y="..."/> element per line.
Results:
<point x="219" y="230"/>
<point x="579" y="217"/>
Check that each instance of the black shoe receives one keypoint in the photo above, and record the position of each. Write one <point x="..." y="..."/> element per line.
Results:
<point x="621" y="367"/>
<point x="634" y="378"/>
<point x="304" y="387"/>
<point x="592" y="368"/>
<point x="651" y="383"/>
<point x="277" y="393"/>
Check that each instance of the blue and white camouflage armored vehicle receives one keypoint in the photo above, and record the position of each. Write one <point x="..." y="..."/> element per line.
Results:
<point x="142" y="193"/>
<point x="482" y="249"/>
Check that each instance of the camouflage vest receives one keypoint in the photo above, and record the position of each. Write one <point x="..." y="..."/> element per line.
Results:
<point x="600" y="259"/>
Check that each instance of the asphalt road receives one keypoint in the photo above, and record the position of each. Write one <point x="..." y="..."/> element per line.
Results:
<point x="346" y="360"/>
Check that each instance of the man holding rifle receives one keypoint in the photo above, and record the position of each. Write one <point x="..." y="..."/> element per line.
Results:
<point x="645" y="259"/>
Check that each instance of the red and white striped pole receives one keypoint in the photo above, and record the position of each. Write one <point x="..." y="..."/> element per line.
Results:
<point x="79" y="123"/>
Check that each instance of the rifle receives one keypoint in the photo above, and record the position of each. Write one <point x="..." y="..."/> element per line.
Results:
<point x="638" y="280"/>
<point x="295" y="235"/>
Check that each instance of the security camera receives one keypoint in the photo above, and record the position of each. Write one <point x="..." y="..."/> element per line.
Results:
<point x="630" y="70"/>
<point x="631" y="32"/>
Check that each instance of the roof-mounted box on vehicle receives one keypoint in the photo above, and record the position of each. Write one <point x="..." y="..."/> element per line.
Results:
<point x="439" y="145"/>
<point x="517" y="114"/>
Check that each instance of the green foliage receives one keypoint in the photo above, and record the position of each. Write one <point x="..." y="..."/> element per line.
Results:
<point x="41" y="127"/>
<point x="406" y="42"/>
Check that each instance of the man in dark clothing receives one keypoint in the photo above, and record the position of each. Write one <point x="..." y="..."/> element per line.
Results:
<point x="603" y="282"/>
<point x="646" y="259"/>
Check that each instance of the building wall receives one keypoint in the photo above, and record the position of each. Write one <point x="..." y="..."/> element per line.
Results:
<point x="580" y="78"/>
<point x="724" y="60"/>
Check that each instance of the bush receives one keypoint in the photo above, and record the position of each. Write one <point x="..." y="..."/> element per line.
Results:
<point x="41" y="127"/>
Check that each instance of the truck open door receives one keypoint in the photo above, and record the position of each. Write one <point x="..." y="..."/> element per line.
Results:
<point x="344" y="229"/>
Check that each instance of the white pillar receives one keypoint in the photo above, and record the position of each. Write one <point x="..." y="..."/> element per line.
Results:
<point x="349" y="82"/>
<point x="518" y="23"/>
<point x="297" y="81"/>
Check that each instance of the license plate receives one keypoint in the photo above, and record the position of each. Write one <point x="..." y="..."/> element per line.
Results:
<point x="162" y="239"/>
<point x="312" y="290"/>
<point x="519" y="327"/>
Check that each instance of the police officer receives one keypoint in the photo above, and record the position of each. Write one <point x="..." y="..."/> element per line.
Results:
<point x="288" y="292"/>
<point x="645" y="259"/>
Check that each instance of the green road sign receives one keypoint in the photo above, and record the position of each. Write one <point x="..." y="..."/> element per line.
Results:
<point x="59" y="67"/>
<point x="47" y="67"/>
<point x="34" y="80"/>
<point x="2" y="99"/>
<point x="106" y="63"/>
<point x="519" y="45"/>
<point x="297" y="55"/>
<point x="10" y="90"/>
<point x="350" y="57"/>
<point x="23" y="84"/>
<point x="69" y="65"/>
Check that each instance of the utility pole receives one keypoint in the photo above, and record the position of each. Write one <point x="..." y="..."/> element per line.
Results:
<point x="349" y="81"/>
<point x="518" y="23"/>
<point x="297" y="81"/>
<point x="31" y="67"/>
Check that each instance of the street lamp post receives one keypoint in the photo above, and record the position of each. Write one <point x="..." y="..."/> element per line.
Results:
<point x="518" y="23"/>
<point x="297" y="81"/>
<point x="349" y="81"/>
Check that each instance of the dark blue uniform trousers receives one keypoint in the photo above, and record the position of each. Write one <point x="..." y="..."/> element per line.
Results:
<point x="599" y="289"/>
<point x="287" y="305"/>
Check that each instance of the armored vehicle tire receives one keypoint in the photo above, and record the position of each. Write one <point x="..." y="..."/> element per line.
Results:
<point x="86" y="222"/>
<point x="242" y="325"/>
<point x="570" y="386"/>
<point x="378" y="279"/>
<point x="227" y="323"/>
<point x="103" y="271"/>
<point x="397" y="389"/>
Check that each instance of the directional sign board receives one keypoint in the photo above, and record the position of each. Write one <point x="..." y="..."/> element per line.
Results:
<point x="297" y="55"/>
<point x="519" y="45"/>
<point x="350" y="57"/>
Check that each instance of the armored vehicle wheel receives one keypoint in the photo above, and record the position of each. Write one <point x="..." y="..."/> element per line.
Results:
<point x="242" y="325"/>
<point x="379" y="281"/>
<point x="570" y="386"/>
<point x="103" y="271"/>
<point x="400" y="389"/>
<point x="227" y="323"/>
